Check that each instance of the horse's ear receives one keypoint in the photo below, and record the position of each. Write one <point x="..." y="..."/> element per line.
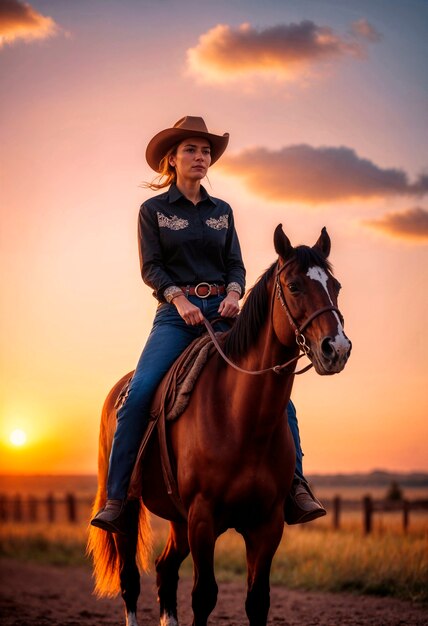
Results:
<point x="323" y="244"/>
<point x="282" y="243"/>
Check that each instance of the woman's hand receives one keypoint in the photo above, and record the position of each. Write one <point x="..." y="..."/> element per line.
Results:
<point x="191" y="314"/>
<point x="229" y="307"/>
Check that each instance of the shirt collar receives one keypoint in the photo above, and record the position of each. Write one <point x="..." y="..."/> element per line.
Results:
<point x="175" y="194"/>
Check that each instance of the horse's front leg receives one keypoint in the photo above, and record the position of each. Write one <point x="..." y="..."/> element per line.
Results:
<point x="261" y="544"/>
<point x="167" y="566"/>
<point x="126" y="546"/>
<point x="202" y="538"/>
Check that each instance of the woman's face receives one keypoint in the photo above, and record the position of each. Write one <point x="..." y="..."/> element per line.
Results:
<point x="192" y="159"/>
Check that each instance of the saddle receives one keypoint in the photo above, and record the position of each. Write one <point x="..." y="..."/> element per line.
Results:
<point x="170" y="400"/>
<point x="174" y="392"/>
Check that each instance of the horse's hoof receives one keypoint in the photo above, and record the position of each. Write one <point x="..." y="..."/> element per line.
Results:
<point x="131" y="619"/>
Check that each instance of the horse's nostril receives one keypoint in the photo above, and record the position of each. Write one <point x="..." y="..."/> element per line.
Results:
<point x="327" y="347"/>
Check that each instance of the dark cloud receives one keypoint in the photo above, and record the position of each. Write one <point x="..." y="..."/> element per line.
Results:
<point x="284" y="50"/>
<point x="303" y="173"/>
<point x="18" y="20"/>
<point x="410" y="224"/>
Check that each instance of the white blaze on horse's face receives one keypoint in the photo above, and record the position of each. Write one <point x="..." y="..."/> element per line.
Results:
<point x="339" y="344"/>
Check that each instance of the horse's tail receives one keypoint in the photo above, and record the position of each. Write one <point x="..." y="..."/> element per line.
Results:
<point x="101" y="546"/>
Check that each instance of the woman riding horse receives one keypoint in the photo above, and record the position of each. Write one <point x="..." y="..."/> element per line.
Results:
<point x="191" y="258"/>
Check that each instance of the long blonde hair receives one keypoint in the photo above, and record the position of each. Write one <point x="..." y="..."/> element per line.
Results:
<point x="167" y="174"/>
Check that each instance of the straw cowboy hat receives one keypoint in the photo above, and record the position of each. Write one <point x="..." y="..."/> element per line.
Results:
<point x="188" y="126"/>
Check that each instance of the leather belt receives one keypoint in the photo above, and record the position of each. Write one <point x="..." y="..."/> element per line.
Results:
<point x="204" y="290"/>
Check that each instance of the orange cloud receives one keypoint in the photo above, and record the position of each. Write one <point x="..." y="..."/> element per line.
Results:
<point x="410" y="224"/>
<point x="284" y="51"/>
<point x="363" y="29"/>
<point x="302" y="173"/>
<point x="18" y="20"/>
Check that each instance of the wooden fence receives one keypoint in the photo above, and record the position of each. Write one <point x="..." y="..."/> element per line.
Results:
<point x="74" y="509"/>
<point x="370" y="506"/>
<point x="51" y="508"/>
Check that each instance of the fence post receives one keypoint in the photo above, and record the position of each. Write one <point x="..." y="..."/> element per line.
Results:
<point x="368" y="513"/>
<point x="33" y="508"/>
<point x="17" y="508"/>
<point x="50" y="506"/>
<point x="336" y="512"/>
<point x="3" y="507"/>
<point x="70" y="500"/>
<point x="406" y="510"/>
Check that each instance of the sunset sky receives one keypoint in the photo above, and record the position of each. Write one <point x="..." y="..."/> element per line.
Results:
<point x="327" y="109"/>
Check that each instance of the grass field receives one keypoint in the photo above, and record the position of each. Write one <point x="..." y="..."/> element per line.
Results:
<point x="314" y="557"/>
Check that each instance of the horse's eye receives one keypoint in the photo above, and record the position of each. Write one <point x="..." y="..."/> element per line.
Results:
<point x="293" y="288"/>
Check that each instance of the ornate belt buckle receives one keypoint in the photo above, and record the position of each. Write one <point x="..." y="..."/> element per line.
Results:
<point x="203" y="285"/>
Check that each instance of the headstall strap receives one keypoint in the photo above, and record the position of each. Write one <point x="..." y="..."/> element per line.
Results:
<point x="281" y="298"/>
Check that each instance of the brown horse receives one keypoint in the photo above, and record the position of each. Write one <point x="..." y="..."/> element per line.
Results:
<point x="233" y="451"/>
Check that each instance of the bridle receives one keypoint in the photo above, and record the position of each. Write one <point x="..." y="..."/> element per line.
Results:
<point x="298" y="330"/>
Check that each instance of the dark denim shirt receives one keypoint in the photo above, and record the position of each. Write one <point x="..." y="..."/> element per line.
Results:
<point x="184" y="244"/>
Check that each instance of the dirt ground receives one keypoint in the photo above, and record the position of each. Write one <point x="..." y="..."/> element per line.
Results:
<point x="33" y="595"/>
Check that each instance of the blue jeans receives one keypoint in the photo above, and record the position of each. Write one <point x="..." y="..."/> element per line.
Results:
<point x="294" y="427"/>
<point x="170" y="335"/>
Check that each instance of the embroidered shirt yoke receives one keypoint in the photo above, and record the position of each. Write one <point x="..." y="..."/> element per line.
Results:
<point x="184" y="244"/>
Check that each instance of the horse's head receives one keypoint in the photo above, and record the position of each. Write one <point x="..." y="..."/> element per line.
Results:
<point x="306" y="303"/>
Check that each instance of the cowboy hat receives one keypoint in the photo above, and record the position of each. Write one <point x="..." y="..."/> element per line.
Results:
<point x="188" y="126"/>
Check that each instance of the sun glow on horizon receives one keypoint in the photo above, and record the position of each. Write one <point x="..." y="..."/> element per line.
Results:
<point x="18" y="437"/>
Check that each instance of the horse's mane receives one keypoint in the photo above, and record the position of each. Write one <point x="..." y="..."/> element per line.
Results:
<point x="253" y="313"/>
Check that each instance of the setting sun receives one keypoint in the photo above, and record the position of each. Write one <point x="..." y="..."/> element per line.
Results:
<point x="18" y="437"/>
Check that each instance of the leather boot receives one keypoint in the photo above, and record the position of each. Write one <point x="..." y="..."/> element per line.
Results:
<point x="301" y="505"/>
<point x="112" y="517"/>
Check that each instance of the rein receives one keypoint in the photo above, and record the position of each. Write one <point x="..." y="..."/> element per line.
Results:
<point x="298" y="330"/>
<point x="276" y="368"/>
